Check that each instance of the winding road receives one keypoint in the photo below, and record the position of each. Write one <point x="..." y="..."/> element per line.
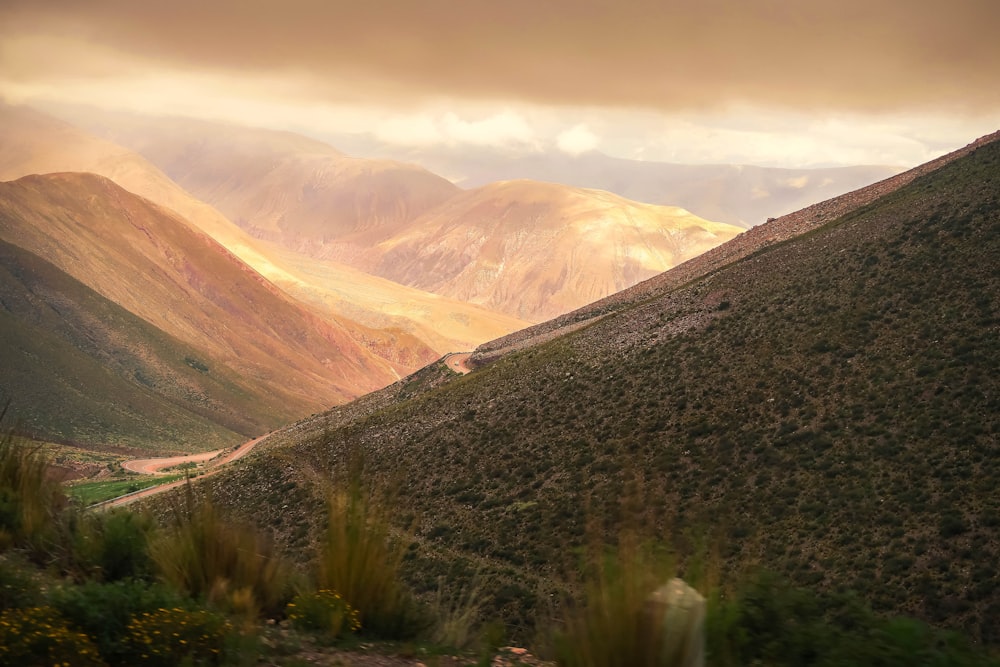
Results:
<point x="153" y="466"/>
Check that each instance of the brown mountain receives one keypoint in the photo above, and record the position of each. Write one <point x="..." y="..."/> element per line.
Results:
<point x="820" y="398"/>
<point x="406" y="326"/>
<point x="537" y="250"/>
<point x="155" y="265"/>
<point x="279" y="186"/>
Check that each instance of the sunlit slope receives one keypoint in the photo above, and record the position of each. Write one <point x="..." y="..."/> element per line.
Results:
<point x="153" y="264"/>
<point x="536" y="250"/>
<point x="446" y="325"/>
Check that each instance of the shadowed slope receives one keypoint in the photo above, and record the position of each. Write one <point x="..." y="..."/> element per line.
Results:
<point x="825" y="405"/>
<point x="79" y="368"/>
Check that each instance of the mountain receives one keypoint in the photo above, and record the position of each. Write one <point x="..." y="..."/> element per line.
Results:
<point x="403" y="223"/>
<point x="279" y="186"/>
<point x="742" y="195"/>
<point x="820" y="398"/>
<point x="536" y="250"/>
<point x="407" y="327"/>
<point x="153" y="264"/>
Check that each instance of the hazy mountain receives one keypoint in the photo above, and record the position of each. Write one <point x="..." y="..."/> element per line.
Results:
<point x="536" y="250"/>
<point x="819" y="398"/>
<point x="151" y="263"/>
<point x="279" y="186"/>
<point x="403" y="325"/>
<point x="742" y="195"/>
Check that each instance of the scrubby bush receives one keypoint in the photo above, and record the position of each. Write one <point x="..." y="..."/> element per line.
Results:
<point x="360" y="558"/>
<point x="39" y="636"/>
<point x="104" y="611"/>
<point x="18" y="584"/>
<point x="29" y="499"/>
<point x="613" y="623"/>
<point x="176" y="636"/>
<point x="113" y="545"/>
<point x="324" y="611"/>
<point x="227" y="564"/>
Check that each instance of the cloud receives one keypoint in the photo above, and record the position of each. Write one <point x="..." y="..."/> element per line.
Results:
<point x="577" y="139"/>
<point x="501" y="129"/>
<point x="669" y="56"/>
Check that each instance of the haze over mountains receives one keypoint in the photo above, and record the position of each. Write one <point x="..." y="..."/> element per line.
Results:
<point x="152" y="264"/>
<point x="310" y="198"/>
<point x="819" y="398"/>
<point x="742" y="195"/>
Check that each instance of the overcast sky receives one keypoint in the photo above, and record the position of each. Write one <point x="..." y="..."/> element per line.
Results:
<point x="775" y="82"/>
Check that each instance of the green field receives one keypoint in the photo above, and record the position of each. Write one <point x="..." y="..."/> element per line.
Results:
<point x="89" y="493"/>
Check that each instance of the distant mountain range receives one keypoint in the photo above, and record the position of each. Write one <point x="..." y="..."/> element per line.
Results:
<point x="742" y="195"/>
<point x="818" y="397"/>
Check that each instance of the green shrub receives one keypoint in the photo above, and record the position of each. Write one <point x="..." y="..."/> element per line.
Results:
<point x="113" y="545"/>
<point x="324" y="611"/>
<point x="19" y="587"/>
<point x="39" y="636"/>
<point x="229" y="565"/>
<point x="104" y="611"/>
<point x="174" y="636"/>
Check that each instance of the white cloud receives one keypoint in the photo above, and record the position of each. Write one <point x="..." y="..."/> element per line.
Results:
<point x="577" y="139"/>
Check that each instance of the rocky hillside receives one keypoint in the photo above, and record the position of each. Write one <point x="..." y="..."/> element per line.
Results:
<point x="825" y="405"/>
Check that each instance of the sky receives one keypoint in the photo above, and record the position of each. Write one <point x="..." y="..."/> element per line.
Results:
<point x="771" y="82"/>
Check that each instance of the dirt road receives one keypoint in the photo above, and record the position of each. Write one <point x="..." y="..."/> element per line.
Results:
<point x="151" y="466"/>
<point x="458" y="362"/>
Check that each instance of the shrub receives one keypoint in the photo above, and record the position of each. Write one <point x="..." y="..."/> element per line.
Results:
<point x="18" y="585"/>
<point x="613" y="625"/>
<point x="104" y="611"/>
<point x="324" y="611"/>
<point x="113" y="545"/>
<point x="38" y="636"/>
<point x="360" y="559"/>
<point x="174" y="636"/>
<point x="29" y="499"/>
<point x="226" y="564"/>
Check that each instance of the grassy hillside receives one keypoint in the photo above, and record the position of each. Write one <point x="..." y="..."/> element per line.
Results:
<point x="828" y="407"/>
<point x="79" y="368"/>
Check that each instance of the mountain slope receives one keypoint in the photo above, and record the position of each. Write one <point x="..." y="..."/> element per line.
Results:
<point x="151" y="263"/>
<point x="826" y="406"/>
<point x="536" y="250"/>
<point x="81" y="369"/>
